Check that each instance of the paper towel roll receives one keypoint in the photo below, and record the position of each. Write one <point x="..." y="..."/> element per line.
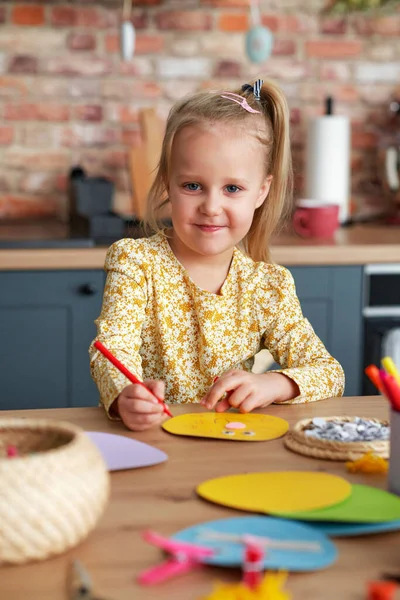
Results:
<point x="328" y="162"/>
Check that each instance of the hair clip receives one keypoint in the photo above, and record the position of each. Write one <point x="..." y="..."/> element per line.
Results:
<point x="239" y="100"/>
<point x="256" y="89"/>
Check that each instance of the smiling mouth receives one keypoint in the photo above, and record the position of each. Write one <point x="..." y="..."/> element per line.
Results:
<point x="209" y="227"/>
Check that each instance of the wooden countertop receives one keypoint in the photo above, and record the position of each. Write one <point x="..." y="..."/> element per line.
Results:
<point x="163" y="497"/>
<point x="360" y="244"/>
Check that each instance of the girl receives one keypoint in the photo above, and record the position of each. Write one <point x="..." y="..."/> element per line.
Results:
<point x="188" y="308"/>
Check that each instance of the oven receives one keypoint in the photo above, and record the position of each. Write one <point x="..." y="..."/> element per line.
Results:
<point x="381" y="317"/>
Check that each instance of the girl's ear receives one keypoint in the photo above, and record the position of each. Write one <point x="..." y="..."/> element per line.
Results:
<point x="264" y="190"/>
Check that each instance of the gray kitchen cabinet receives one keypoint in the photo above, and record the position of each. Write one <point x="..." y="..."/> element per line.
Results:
<point x="331" y="299"/>
<point x="46" y="326"/>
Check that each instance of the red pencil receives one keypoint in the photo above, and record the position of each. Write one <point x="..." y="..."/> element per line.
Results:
<point x="391" y="389"/>
<point x="372" y="372"/>
<point x="127" y="373"/>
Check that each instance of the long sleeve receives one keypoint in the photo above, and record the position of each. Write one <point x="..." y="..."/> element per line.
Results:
<point x="293" y="343"/>
<point x="120" y="323"/>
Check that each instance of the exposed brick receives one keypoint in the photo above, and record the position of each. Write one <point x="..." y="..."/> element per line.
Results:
<point x="2" y="14"/>
<point x="123" y="90"/>
<point x="53" y="112"/>
<point x="122" y="113"/>
<point x="223" y="46"/>
<point x="13" y="206"/>
<point x="295" y="116"/>
<point x="6" y="135"/>
<point x="144" y="44"/>
<point x="98" y="18"/>
<point x="376" y="95"/>
<point x="36" y="135"/>
<point x="33" y="159"/>
<point x="287" y="70"/>
<point x="333" y="49"/>
<point x="13" y="86"/>
<point x="334" y="71"/>
<point x="140" y="19"/>
<point x="228" y="68"/>
<point x="233" y="22"/>
<point x="23" y="64"/>
<point x="363" y="25"/>
<point x="334" y="25"/>
<point x="131" y="137"/>
<point x="20" y="112"/>
<point x="185" y="68"/>
<point x="284" y="47"/>
<point x="27" y="40"/>
<point x="186" y="46"/>
<point x="289" y="23"/>
<point x="63" y="16"/>
<point x="88" y="135"/>
<point x="226" y="3"/>
<point x="81" y="41"/>
<point x="138" y="67"/>
<point x="89" y="112"/>
<point x="27" y="14"/>
<point x="184" y="20"/>
<point x="116" y="159"/>
<point x="387" y="25"/>
<point x="148" y="2"/>
<point x="71" y="65"/>
<point x="175" y="92"/>
<point x="40" y="112"/>
<point x="367" y="72"/>
<point x="37" y="183"/>
<point x="363" y="139"/>
<point x="83" y="88"/>
<point x="385" y="52"/>
<point x="61" y="182"/>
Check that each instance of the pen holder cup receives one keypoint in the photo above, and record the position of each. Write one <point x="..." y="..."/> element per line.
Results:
<point x="54" y="486"/>
<point x="394" y="460"/>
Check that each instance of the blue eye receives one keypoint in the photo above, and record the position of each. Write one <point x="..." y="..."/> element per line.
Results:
<point x="232" y="189"/>
<point x="192" y="187"/>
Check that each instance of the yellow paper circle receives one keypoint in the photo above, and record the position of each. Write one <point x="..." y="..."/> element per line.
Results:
<point x="282" y="492"/>
<point x="257" y="428"/>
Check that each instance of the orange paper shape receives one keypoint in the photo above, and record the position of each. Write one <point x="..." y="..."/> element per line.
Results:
<point x="283" y="492"/>
<point x="236" y="427"/>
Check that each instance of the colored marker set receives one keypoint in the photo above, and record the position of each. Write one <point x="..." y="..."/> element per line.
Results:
<point x="386" y="380"/>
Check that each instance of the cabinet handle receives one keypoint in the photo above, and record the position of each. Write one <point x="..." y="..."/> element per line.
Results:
<point x="88" y="289"/>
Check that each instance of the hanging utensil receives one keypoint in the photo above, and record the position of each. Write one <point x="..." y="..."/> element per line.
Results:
<point x="259" y="39"/>
<point x="128" y="34"/>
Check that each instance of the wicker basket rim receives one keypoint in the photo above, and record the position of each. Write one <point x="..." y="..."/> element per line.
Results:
<point x="42" y="425"/>
<point x="299" y="427"/>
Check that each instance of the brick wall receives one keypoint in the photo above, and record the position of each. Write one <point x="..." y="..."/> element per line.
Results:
<point x="66" y="97"/>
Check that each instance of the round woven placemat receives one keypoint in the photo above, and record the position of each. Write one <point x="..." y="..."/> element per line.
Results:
<point x="52" y="493"/>
<point x="297" y="441"/>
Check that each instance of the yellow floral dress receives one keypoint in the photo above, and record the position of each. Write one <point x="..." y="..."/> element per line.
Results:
<point x="161" y="325"/>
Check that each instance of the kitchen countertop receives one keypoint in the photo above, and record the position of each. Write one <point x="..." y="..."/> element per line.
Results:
<point x="359" y="244"/>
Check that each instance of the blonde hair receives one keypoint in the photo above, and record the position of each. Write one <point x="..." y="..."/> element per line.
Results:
<point x="272" y="130"/>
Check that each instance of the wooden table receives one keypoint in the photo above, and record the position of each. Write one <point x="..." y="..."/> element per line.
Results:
<point x="163" y="497"/>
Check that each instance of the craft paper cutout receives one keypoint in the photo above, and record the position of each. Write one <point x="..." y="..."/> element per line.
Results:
<point x="121" y="452"/>
<point x="342" y="529"/>
<point x="230" y="554"/>
<point x="365" y="505"/>
<point x="257" y="427"/>
<point x="284" y="491"/>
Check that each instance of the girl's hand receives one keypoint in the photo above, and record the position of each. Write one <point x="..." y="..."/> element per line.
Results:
<point x="247" y="391"/>
<point x="138" y="408"/>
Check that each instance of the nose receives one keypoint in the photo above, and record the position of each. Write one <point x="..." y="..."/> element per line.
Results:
<point x="211" y="204"/>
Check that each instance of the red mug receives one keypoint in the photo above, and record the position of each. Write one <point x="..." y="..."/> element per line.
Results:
<point x="319" y="221"/>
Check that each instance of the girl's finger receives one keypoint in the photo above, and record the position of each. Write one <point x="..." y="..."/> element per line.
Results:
<point x="221" y="387"/>
<point x="136" y="405"/>
<point x="250" y="404"/>
<point x="237" y="397"/>
<point x="223" y="405"/>
<point x="156" y="387"/>
<point x="136" y="391"/>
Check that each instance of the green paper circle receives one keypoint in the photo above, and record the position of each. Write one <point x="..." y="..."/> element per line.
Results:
<point x="365" y="505"/>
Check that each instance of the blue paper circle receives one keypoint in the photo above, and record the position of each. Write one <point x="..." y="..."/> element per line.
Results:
<point x="259" y="43"/>
<point x="230" y="554"/>
<point x="343" y="529"/>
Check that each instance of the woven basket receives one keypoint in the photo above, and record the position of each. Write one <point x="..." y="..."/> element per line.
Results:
<point x="53" y="493"/>
<point x="297" y="441"/>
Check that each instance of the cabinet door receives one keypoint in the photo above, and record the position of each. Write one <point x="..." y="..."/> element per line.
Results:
<point x="46" y="325"/>
<point x="331" y="299"/>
